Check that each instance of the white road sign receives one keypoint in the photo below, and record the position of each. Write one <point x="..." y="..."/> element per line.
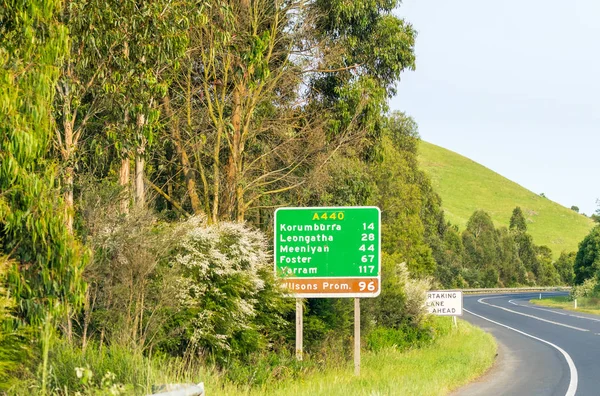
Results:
<point x="444" y="303"/>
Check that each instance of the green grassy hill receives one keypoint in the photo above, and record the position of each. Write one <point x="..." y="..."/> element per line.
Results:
<point x="466" y="186"/>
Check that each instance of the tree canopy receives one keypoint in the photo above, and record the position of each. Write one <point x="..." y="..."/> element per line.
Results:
<point x="587" y="260"/>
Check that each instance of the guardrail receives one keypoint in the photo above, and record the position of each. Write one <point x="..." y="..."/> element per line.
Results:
<point x="516" y="290"/>
<point x="178" y="390"/>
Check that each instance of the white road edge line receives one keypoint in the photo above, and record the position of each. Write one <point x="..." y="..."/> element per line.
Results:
<point x="550" y="310"/>
<point x="572" y="369"/>
<point x="539" y="309"/>
<point x="531" y="316"/>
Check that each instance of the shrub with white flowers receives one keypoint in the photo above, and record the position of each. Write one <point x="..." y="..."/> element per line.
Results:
<point x="222" y="274"/>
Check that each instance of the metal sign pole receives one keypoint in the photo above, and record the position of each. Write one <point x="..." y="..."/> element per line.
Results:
<point x="357" y="336"/>
<point x="299" y="317"/>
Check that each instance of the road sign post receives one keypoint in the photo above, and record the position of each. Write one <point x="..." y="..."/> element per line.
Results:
<point x="329" y="252"/>
<point x="299" y="329"/>
<point x="357" y="337"/>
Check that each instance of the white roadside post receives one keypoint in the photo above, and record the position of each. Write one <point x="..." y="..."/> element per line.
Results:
<point x="445" y="303"/>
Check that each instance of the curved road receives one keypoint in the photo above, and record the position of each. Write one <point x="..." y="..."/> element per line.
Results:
<point x="542" y="351"/>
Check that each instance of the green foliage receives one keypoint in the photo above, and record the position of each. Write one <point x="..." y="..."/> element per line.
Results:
<point x="466" y="186"/>
<point x="586" y="289"/>
<point x="458" y="355"/>
<point x="448" y="251"/>
<point x="402" y="338"/>
<point x="402" y="299"/>
<point x="480" y="241"/>
<point x="517" y="221"/>
<point x="367" y="48"/>
<point x="587" y="260"/>
<point x="512" y="272"/>
<point x="486" y="256"/>
<point x="13" y="344"/>
<point x="47" y="274"/>
<point x="527" y="254"/>
<point x="387" y="309"/>
<point x="270" y="96"/>
<point x="265" y="368"/>
<point x="564" y="266"/>
<point x="349" y="183"/>
<point x="403" y="194"/>
<point x="548" y="274"/>
<point x="575" y="208"/>
<point x="100" y="370"/>
<point x="139" y="43"/>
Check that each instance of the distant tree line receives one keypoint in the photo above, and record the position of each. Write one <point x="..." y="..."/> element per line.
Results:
<point x="485" y="256"/>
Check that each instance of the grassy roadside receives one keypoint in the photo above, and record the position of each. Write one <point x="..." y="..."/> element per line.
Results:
<point x="584" y="304"/>
<point x="453" y="360"/>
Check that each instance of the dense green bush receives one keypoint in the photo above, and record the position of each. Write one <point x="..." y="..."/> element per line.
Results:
<point x="587" y="260"/>
<point x="227" y="298"/>
<point x="587" y="289"/>
<point x="408" y="336"/>
<point x="404" y="337"/>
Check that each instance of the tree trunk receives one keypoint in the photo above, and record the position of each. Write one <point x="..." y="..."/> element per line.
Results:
<point x="188" y="171"/>
<point x="67" y="152"/>
<point x="69" y="315"/>
<point x="216" y="175"/>
<point x="140" y="194"/>
<point x="234" y="156"/>
<point x="69" y="202"/>
<point x="124" y="182"/>
<point x="87" y="313"/>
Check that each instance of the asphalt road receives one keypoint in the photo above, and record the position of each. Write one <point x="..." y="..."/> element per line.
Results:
<point x="542" y="351"/>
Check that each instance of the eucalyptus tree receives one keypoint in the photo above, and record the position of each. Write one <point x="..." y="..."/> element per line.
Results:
<point x="243" y="128"/>
<point x="362" y="50"/>
<point x="79" y="97"/>
<point x="47" y="274"/>
<point x="273" y="89"/>
<point x="136" y="44"/>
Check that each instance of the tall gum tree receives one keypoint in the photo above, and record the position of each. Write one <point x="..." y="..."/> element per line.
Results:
<point x="277" y="89"/>
<point x="47" y="277"/>
<point x="145" y="40"/>
<point x="78" y="90"/>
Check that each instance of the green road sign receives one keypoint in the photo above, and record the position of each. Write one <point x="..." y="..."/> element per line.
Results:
<point x="329" y="251"/>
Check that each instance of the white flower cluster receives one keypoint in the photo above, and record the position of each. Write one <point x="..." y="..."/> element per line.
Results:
<point x="415" y="291"/>
<point x="220" y="279"/>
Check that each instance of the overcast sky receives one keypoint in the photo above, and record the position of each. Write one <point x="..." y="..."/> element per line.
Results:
<point x="513" y="85"/>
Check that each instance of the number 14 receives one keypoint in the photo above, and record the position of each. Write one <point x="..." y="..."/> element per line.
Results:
<point x="370" y="226"/>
